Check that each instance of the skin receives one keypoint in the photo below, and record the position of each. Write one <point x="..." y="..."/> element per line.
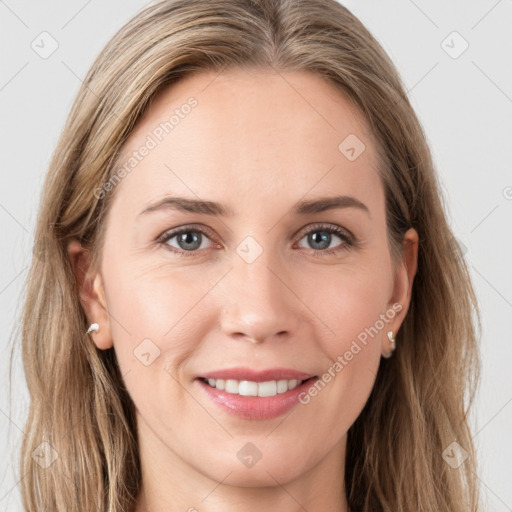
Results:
<point x="258" y="142"/>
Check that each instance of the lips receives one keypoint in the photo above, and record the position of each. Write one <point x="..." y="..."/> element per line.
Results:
<point x="250" y="374"/>
<point x="253" y="394"/>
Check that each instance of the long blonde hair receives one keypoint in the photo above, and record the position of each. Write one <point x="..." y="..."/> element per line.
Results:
<point x="79" y="404"/>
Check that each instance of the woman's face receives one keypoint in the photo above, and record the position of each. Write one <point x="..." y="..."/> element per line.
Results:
<point x="282" y="266"/>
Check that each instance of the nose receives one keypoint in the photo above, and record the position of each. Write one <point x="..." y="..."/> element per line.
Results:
<point x="259" y="302"/>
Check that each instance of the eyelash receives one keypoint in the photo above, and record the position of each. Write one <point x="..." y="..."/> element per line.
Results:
<point x="349" y="241"/>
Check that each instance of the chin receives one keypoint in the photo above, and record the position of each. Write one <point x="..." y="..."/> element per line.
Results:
<point x="246" y="469"/>
<point x="257" y="476"/>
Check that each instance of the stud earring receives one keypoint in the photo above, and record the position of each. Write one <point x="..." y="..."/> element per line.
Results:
<point x="393" y="345"/>
<point x="93" y="327"/>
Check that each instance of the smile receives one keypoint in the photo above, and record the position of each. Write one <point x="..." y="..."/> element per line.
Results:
<point x="255" y="395"/>
<point x="251" y="388"/>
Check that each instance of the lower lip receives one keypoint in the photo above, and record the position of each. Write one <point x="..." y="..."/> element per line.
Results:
<point x="255" y="407"/>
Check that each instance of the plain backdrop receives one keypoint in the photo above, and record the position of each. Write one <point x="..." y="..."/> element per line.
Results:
<point x="454" y="58"/>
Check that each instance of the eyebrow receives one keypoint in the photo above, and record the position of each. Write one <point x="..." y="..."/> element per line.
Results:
<point x="212" y="208"/>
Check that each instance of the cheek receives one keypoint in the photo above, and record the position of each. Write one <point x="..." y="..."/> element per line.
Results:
<point x="154" y="315"/>
<point x="355" y="314"/>
<point x="353" y="307"/>
<point x="348" y="301"/>
<point x="154" y="332"/>
<point x="145" y="298"/>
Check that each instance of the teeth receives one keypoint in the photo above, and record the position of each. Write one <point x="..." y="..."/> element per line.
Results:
<point x="251" y="388"/>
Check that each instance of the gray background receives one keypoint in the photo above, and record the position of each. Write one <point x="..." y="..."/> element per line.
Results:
<point x="464" y="104"/>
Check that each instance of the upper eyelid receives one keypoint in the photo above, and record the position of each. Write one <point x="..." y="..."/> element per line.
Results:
<point x="170" y="233"/>
<point x="319" y="225"/>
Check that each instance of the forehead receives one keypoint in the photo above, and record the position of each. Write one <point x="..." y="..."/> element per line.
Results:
<point x="250" y="133"/>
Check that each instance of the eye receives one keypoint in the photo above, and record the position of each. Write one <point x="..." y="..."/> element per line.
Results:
<point x="320" y="238"/>
<point x="189" y="239"/>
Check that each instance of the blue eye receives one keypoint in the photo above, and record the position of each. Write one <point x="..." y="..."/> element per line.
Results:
<point x="322" y="242"/>
<point x="190" y="239"/>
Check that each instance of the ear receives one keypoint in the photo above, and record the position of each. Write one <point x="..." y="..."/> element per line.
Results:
<point x="402" y="288"/>
<point x="91" y="294"/>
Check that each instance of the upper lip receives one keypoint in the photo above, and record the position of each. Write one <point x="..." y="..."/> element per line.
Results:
<point x="257" y="375"/>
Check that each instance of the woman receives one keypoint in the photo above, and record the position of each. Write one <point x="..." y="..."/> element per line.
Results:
<point x="246" y="294"/>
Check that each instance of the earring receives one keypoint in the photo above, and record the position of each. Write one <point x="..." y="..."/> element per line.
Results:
<point x="93" y="327"/>
<point x="393" y="345"/>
